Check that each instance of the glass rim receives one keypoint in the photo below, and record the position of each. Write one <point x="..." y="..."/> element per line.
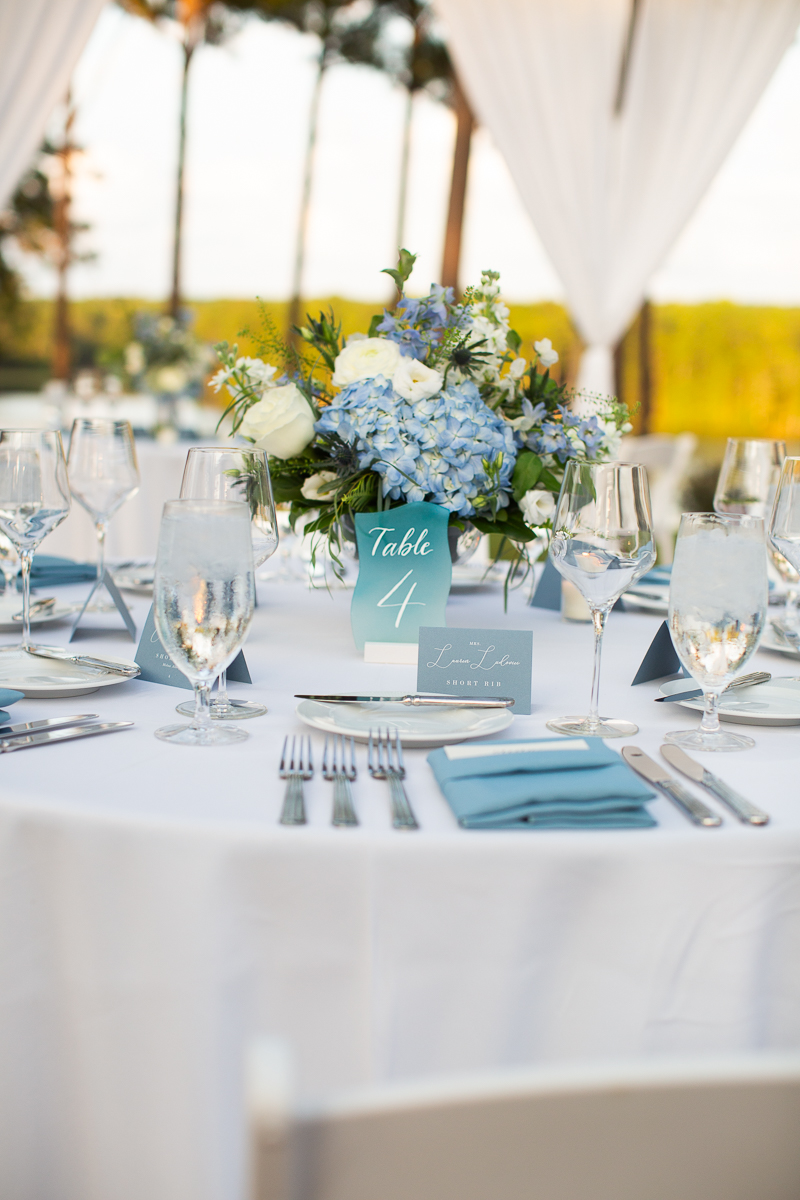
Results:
<point x="100" y="421"/>
<point x="763" y="441"/>
<point x="724" y="518"/>
<point x="212" y="507"/>
<point x="596" y="466"/>
<point x="226" y="450"/>
<point x="22" y="429"/>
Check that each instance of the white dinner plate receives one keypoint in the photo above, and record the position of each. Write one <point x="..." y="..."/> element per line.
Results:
<point x="59" y="612"/>
<point x="773" y="703"/>
<point x="417" y="726"/>
<point x="136" y="579"/>
<point x="771" y="641"/>
<point x="49" y="679"/>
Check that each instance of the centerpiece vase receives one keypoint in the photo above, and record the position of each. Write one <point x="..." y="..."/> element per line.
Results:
<point x="404" y="573"/>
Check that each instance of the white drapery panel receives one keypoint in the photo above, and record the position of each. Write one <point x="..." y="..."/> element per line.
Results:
<point x="609" y="192"/>
<point x="40" y="42"/>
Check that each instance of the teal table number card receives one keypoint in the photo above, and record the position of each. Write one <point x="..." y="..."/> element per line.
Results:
<point x="479" y="663"/>
<point x="404" y="573"/>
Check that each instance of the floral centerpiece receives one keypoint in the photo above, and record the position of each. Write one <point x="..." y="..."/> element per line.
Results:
<point x="433" y="403"/>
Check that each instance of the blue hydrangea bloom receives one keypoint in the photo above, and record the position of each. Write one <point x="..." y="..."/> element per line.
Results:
<point x="424" y="449"/>
<point x="553" y="436"/>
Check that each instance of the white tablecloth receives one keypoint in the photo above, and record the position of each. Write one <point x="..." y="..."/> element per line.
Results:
<point x="154" y="916"/>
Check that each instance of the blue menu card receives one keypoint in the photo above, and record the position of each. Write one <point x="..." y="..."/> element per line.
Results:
<point x="477" y="662"/>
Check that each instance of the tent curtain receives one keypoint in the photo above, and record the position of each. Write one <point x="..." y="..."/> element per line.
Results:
<point x="40" y="42"/>
<point x="610" y="176"/>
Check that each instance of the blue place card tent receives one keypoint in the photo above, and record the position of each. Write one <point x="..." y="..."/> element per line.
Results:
<point x="157" y="666"/>
<point x="404" y="573"/>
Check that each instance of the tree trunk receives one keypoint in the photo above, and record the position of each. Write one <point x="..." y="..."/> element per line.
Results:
<point x="175" y="297"/>
<point x="405" y="156"/>
<point x="62" y="351"/>
<point x="305" y="199"/>
<point x="465" y="122"/>
<point x="646" y="366"/>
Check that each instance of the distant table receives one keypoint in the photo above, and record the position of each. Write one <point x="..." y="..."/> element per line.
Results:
<point x="154" y="916"/>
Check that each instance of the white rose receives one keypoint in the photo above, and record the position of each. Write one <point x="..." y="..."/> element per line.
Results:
<point x="314" y="487"/>
<point x="548" y="357"/>
<point x="170" y="379"/>
<point x="365" y="358"/>
<point x="537" y="507"/>
<point x="282" y="423"/>
<point x="414" y="381"/>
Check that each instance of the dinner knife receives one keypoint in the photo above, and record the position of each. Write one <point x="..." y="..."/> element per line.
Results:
<point x="653" y="772"/>
<point x="742" y="808"/>
<point x="83" y="660"/>
<point x="60" y="735"/>
<point x="750" y="680"/>
<point x="416" y="701"/>
<point x="49" y="723"/>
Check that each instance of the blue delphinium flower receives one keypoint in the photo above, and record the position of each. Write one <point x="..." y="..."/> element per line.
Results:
<point x="564" y="435"/>
<point x="432" y="449"/>
<point x="417" y="325"/>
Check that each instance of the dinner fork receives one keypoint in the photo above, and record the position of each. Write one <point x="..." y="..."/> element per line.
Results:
<point x="385" y="761"/>
<point x="299" y="767"/>
<point x="338" y="772"/>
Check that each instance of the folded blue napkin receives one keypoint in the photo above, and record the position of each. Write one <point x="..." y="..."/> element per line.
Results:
<point x="48" y="571"/>
<point x="7" y="696"/>
<point x="660" y="575"/>
<point x="541" y="783"/>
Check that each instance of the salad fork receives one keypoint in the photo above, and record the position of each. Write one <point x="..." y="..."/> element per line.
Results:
<point x="385" y="761"/>
<point x="300" y="766"/>
<point x="341" y="775"/>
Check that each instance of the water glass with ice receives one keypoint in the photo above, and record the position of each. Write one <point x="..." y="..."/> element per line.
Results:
<point x="203" y="601"/>
<point x="717" y="611"/>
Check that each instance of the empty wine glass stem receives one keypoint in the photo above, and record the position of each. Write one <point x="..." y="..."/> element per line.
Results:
<point x="100" y="530"/>
<point x="26" y="558"/>
<point x="599" y="622"/>
<point x="202" y="709"/>
<point x="710" y="721"/>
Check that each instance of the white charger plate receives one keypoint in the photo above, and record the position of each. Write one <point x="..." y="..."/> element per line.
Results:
<point x="417" y="726"/>
<point x="472" y="577"/>
<point x="49" y="679"/>
<point x="773" y="703"/>
<point x="771" y="641"/>
<point x="59" y="612"/>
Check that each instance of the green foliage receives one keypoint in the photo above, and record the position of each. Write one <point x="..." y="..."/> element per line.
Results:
<point x="527" y="472"/>
<point x="401" y="273"/>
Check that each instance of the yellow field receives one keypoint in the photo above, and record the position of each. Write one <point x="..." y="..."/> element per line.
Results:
<point x="719" y="369"/>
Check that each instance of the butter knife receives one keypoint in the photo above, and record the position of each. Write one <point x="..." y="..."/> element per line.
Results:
<point x="50" y="723"/>
<point x="84" y="660"/>
<point x="742" y="808"/>
<point x="60" y="735"/>
<point x="681" y="797"/>
<point x="416" y="701"/>
<point x="750" y="680"/>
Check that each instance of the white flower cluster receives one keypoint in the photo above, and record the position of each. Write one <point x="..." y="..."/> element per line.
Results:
<point x="366" y="358"/>
<point x="282" y="421"/>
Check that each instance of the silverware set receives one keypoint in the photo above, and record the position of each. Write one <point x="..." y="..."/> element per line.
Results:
<point x="55" y="729"/>
<point x="384" y="761"/>
<point x="693" y="809"/>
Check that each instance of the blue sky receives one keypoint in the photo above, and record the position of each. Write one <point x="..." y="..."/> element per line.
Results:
<point x="248" y="106"/>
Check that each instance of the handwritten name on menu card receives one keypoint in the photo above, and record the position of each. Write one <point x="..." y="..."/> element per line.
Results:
<point x="477" y="662"/>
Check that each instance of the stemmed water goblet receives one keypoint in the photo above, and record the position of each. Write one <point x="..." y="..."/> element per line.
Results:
<point x="9" y="565"/>
<point x="34" y="498"/>
<point x="748" y="480"/>
<point x="602" y="542"/>
<point x="717" y="610"/>
<point x="203" y="600"/>
<point x="103" y="473"/>
<point x="234" y="474"/>
<point x="783" y="532"/>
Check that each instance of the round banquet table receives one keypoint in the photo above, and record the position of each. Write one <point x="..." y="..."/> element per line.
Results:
<point x="155" y="917"/>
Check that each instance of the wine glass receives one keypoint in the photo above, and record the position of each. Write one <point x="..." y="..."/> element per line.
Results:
<point x="229" y="473"/>
<point x="34" y="498"/>
<point x="103" y="473"/>
<point x="717" y="610"/>
<point x="9" y="565"/>
<point x="203" y="600"/>
<point x="749" y="476"/>
<point x="602" y="542"/>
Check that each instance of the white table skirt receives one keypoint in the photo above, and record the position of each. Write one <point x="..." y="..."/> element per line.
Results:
<point x="154" y="916"/>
